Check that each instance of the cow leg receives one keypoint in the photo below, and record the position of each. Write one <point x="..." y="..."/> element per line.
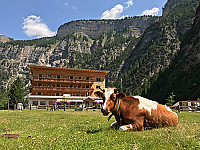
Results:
<point x="127" y="127"/>
<point x="114" y="125"/>
<point x="137" y="126"/>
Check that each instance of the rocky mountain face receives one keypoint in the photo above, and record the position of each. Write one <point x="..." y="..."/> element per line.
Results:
<point x="94" y="28"/>
<point x="139" y="49"/>
<point x="4" y="38"/>
<point x="158" y="46"/>
<point x="181" y="14"/>
<point x="155" y="51"/>
<point x="182" y="76"/>
<point x="170" y="5"/>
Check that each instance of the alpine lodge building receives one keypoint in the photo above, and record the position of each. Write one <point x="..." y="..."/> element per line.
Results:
<point x="76" y="86"/>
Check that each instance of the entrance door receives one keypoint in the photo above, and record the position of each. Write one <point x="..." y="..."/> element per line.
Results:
<point x="50" y="102"/>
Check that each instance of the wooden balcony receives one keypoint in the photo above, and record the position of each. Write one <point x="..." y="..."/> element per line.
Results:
<point x="55" y="80"/>
<point x="74" y="89"/>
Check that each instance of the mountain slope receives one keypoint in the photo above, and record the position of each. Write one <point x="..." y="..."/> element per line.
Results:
<point x="182" y="77"/>
<point x="157" y="47"/>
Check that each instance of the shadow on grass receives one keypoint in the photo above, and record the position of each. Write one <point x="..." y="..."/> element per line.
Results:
<point x="93" y="131"/>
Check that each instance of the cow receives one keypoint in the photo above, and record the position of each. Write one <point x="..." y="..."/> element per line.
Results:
<point x="135" y="112"/>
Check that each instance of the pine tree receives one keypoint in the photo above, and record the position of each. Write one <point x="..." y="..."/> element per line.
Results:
<point x="3" y="100"/>
<point x="170" y="100"/>
<point x="16" y="92"/>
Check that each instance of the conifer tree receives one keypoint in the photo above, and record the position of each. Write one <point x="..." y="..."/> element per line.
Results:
<point x="3" y="100"/>
<point x="170" y="100"/>
<point x="16" y="92"/>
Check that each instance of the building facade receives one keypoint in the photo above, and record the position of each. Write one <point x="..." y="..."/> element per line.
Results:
<point x="51" y="83"/>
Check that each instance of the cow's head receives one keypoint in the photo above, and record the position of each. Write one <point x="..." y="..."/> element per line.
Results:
<point x="110" y="96"/>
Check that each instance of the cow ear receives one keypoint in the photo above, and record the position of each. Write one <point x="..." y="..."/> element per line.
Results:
<point x="121" y="95"/>
<point x="98" y="94"/>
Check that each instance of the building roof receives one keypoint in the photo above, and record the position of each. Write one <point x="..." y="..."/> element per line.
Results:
<point x="68" y="69"/>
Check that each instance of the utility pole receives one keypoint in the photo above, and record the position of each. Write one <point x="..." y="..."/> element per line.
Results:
<point x="121" y="86"/>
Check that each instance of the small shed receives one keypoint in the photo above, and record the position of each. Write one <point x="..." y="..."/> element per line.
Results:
<point x="91" y="102"/>
<point x="189" y="105"/>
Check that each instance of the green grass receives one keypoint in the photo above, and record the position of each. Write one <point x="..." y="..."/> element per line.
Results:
<point x="39" y="129"/>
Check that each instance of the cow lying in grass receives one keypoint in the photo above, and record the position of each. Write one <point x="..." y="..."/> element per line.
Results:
<point x="135" y="112"/>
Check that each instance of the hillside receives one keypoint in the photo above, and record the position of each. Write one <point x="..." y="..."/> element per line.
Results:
<point x="157" y="47"/>
<point x="182" y="77"/>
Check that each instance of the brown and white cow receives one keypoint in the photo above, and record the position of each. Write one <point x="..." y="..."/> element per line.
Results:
<point x="135" y="112"/>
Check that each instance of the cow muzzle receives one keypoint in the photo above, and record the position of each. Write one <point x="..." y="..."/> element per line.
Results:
<point x="104" y="111"/>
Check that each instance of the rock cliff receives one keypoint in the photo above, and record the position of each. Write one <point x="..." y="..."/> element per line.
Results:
<point x="94" y="28"/>
<point x="4" y="38"/>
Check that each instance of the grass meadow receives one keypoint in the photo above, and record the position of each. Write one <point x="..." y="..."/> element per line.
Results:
<point x="59" y="130"/>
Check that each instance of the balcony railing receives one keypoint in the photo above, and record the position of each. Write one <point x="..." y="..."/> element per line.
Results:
<point x="56" y="80"/>
<point x="76" y="89"/>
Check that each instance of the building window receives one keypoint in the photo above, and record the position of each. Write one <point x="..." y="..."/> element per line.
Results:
<point x="98" y="79"/>
<point x="71" y="77"/>
<point x="79" y="86"/>
<point x="98" y="87"/>
<point x="58" y="85"/>
<point x="39" y="93"/>
<point x="40" y="75"/>
<point x="79" y="78"/>
<point x="49" y="76"/>
<point x="42" y="102"/>
<point x="71" y="86"/>
<point x="39" y="84"/>
<point x="48" y="85"/>
<point x="35" y="103"/>
<point x="87" y="78"/>
<point x="87" y="86"/>
<point x="57" y="94"/>
<point x="58" y="77"/>
<point x="78" y="94"/>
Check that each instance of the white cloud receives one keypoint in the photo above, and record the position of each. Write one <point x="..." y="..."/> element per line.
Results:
<point x="154" y="12"/>
<point x="114" y="13"/>
<point x="66" y="4"/>
<point x="33" y="26"/>
<point x="129" y="3"/>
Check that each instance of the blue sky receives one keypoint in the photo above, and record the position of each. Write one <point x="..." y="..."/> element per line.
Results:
<point x="30" y="19"/>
